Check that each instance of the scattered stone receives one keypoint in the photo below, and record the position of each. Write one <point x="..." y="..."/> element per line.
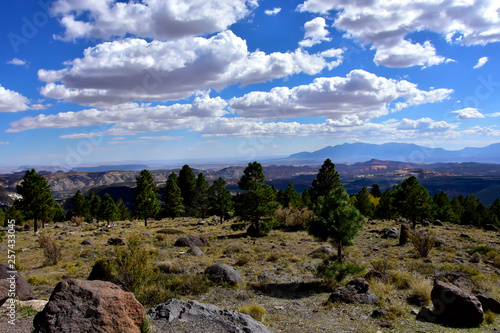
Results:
<point x="376" y="275"/>
<point x="195" y="251"/>
<point x="2" y="248"/>
<point x="425" y="223"/>
<point x="414" y="312"/>
<point x="116" y="241"/>
<point x="146" y="234"/>
<point x="438" y="223"/>
<point x="322" y="251"/>
<point x="488" y="302"/>
<point x="475" y="258"/>
<point x="223" y="273"/>
<point x="439" y="242"/>
<point x="23" y="289"/>
<point x="453" y="307"/>
<point x="191" y="241"/>
<point x="18" y="228"/>
<point x="416" y="300"/>
<point x="465" y="236"/>
<point x="390" y="233"/>
<point x="384" y="324"/>
<point x="177" y="312"/>
<point x="490" y="227"/>
<point x="27" y="227"/>
<point x="90" y="306"/>
<point x="87" y="242"/>
<point x="356" y="291"/>
<point x="380" y="312"/>
<point x="202" y="222"/>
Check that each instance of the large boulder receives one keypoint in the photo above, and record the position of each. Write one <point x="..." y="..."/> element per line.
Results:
<point x="23" y="289"/>
<point x="191" y="241"/>
<point x="223" y="273"/>
<point x="355" y="292"/>
<point x="453" y="307"/>
<point x="90" y="306"/>
<point x="178" y="313"/>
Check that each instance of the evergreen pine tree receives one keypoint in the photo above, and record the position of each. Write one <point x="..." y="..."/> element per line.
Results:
<point x="36" y="199"/>
<point x="363" y="203"/>
<point x="107" y="209"/>
<point x="252" y="176"/>
<point x="413" y="200"/>
<point x="201" y="197"/>
<point x="336" y="219"/>
<point x="172" y="198"/>
<point x="122" y="210"/>
<point x="220" y="199"/>
<point x="375" y="191"/>
<point x="326" y="180"/>
<point x="78" y="203"/>
<point x="187" y="183"/>
<point x="146" y="204"/>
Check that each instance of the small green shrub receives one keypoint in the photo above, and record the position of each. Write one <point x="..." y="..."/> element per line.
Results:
<point x="422" y="288"/>
<point x="338" y="271"/>
<point x="489" y="317"/>
<point x="483" y="250"/>
<point x="146" y="326"/>
<point x="35" y="281"/>
<point x="257" y="312"/>
<point x="293" y="219"/>
<point x="423" y="268"/>
<point x="24" y="311"/>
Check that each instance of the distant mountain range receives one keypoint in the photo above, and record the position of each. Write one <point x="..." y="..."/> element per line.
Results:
<point x="402" y="152"/>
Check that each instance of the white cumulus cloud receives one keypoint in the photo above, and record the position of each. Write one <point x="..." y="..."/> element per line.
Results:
<point x="481" y="62"/>
<point x="12" y="101"/>
<point x="468" y="113"/>
<point x="360" y="95"/>
<point x="315" y="32"/>
<point x="159" y="19"/>
<point x="385" y="25"/>
<point x="136" y="70"/>
<point x="273" y="11"/>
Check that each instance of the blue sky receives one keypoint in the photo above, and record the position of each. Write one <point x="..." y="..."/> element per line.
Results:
<point x="108" y="81"/>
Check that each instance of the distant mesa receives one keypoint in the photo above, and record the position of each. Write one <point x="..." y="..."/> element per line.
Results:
<point x="402" y="152"/>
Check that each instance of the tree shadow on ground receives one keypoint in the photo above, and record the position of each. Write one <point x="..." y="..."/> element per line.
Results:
<point x="291" y="290"/>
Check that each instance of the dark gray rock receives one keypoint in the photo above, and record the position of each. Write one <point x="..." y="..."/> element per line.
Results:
<point x="322" y="251"/>
<point x="191" y="241"/>
<point x="195" y="251"/>
<point x="490" y="227"/>
<point x="416" y="300"/>
<point x="465" y="236"/>
<point x="488" y="302"/>
<point x="376" y="275"/>
<point x="453" y="307"/>
<point x="380" y="312"/>
<point x="439" y="242"/>
<point x="177" y="312"/>
<point x="116" y="241"/>
<point x="23" y="289"/>
<point x="390" y="233"/>
<point x="438" y="223"/>
<point x="356" y="291"/>
<point x="87" y="242"/>
<point x="146" y="234"/>
<point x="27" y="227"/>
<point x="223" y="273"/>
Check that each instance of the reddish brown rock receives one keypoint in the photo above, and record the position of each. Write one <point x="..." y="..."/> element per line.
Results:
<point x="79" y="306"/>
